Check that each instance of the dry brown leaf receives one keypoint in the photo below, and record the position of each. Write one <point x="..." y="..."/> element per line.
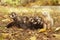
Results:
<point x="57" y="35"/>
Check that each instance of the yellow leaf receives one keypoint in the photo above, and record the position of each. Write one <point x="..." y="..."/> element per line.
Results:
<point x="41" y="30"/>
<point x="4" y="35"/>
<point x="33" y="38"/>
<point x="5" y="20"/>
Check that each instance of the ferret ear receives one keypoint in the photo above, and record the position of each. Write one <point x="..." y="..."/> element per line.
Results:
<point x="13" y="13"/>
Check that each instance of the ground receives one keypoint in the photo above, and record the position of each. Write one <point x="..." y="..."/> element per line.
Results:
<point x="15" y="33"/>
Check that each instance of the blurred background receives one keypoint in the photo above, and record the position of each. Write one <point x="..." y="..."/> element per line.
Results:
<point x="28" y="3"/>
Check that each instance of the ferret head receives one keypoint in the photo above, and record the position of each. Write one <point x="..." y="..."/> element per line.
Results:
<point x="46" y="13"/>
<point x="13" y="15"/>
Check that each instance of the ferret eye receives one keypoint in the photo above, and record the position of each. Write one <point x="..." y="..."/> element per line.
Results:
<point x="14" y="15"/>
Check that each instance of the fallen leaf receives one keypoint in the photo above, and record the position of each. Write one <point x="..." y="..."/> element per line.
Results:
<point x="41" y="30"/>
<point x="57" y="29"/>
<point x="33" y="38"/>
<point x="56" y="36"/>
<point x="4" y="35"/>
<point x="6" y="20"/>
